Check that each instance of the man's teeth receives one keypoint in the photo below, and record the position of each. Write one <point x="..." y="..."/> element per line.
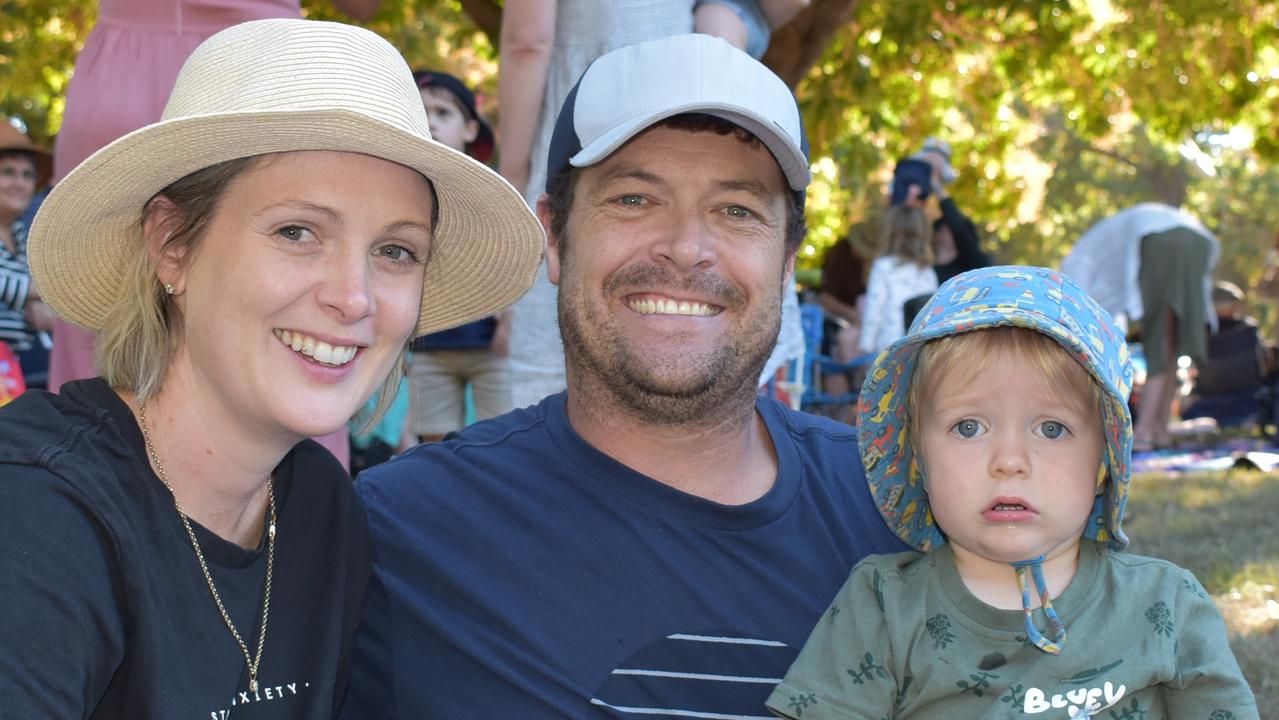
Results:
<point x="317" y="350"/>
<point x="667" y="306"/>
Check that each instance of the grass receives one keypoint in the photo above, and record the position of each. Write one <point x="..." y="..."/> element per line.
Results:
<point x="1225" y="529"/>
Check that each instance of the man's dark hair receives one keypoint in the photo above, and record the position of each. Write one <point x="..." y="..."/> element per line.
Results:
<point x="561" y="186"/>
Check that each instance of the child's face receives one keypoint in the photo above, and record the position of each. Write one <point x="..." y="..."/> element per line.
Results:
<point x="447" y="119"/>
<point x="1011" y="463"/>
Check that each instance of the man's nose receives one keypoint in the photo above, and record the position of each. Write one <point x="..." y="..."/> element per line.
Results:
<point x="690" y="243"/>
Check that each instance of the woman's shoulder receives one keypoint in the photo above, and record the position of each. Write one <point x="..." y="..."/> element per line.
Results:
<point x="314" y="474"/>
<point x="49" y="431"/>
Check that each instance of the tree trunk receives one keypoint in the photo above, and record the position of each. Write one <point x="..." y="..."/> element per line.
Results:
<point x="487" y="16"/>
<point x="797" y="46"/>
<point x="794" y="49"/>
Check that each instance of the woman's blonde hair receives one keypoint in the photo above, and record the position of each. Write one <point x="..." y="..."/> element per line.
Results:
<point x="143" y="328"/>
<point x="907" y="233"/>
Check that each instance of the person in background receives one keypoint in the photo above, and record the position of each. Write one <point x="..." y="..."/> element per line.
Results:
<point x="474" y="354"/>
<point x="996" y="439"/>
<point x="1239" y="363"/>
<point x="620" y="548"/>
<point x="1152" y="263"/>
<point x="255" y="263"/>
<point x="24" y="168"/>
<point x="903" y="272"/>
<point x="746" y="24"/>
<point x="843" y="287"/>
<point x="122" y="78"/>
<point x="956" y="242"/>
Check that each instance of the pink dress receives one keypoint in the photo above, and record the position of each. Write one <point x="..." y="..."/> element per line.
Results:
<point x="122" y="80"/>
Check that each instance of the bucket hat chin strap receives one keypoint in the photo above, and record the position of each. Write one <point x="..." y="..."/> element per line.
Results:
<point x="1035" y="568"/>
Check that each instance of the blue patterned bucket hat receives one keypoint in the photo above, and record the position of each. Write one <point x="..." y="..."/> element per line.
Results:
<point x="1035" y="298"/>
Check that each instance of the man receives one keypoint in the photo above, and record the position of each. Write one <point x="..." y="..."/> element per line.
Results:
<point x="658" y="540"/>
<point x="955" y="238"/>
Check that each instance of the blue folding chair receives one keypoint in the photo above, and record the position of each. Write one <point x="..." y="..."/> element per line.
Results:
<point x="815" y="399"/>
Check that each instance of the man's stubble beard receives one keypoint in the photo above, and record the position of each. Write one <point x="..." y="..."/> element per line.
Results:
<point x="599" y="361"/>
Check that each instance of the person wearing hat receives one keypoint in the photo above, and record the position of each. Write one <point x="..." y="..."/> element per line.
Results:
<point x="24" y="168"/>
<point x="255" y="263"/>
<point x="445" y="363"/>
<point x="997" y="440"/>
<point x="659" y="538"/>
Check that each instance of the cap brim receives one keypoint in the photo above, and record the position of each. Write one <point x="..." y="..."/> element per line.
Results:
<point x="793" y="163"/>
<point x="486" y="249"/>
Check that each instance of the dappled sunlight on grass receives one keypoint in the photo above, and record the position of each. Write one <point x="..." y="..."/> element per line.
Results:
<point x="1225" y="529"/>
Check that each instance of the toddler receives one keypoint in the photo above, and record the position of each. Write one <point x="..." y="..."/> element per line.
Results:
<point x="996" y="439"/>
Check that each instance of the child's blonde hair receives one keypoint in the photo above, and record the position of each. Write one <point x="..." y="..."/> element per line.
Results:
<point x="907" y="234"/>
<point x="958" y="358"/>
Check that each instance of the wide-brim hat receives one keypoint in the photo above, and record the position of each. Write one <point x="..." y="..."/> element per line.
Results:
<point x="284" y="85"/>
<point x="1038" y="299"/>
<point x="11" y="138"/>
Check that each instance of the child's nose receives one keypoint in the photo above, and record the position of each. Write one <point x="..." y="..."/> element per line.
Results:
<point x="1010" y="457"/>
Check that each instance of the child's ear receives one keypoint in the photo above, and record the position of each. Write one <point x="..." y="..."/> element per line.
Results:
<point x="472" y="130"/>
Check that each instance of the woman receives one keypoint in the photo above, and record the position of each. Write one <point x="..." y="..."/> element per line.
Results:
<point x="255" y="263"/>
<point x="123" y="76"/>
<point x="24" y="168"/>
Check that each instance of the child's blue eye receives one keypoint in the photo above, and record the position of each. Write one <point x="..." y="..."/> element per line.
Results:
<point x="1052" y="429"/>
<point x="967" y="428"/>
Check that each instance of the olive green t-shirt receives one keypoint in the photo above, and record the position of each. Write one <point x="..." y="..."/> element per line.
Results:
<point x="905" y="639"/>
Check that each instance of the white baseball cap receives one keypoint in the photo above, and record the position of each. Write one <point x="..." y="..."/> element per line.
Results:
<point x="626" y="91"/>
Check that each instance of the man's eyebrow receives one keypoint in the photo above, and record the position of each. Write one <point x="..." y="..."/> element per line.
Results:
<point x="629" y="172"/>
<point x="753" y="187"/>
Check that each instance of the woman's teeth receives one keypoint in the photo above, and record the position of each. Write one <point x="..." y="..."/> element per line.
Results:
<point x="317" y="350"/>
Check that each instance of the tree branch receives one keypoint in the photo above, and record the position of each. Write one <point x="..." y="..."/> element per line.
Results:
<point x="487" y="16"/>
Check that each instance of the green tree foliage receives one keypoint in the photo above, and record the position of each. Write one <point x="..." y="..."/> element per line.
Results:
<point x="1060" y="112"/>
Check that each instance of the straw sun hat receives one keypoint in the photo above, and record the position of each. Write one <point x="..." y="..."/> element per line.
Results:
<point x="273" y="86"/>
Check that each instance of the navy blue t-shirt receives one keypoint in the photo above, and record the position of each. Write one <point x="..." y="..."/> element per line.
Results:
<point x="519" y="572"/>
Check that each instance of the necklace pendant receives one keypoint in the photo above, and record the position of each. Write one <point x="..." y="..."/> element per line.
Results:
<point x="253" y="685"/>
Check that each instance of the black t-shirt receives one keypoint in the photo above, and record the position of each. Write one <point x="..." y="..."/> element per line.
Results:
<point x="105" y="612"/>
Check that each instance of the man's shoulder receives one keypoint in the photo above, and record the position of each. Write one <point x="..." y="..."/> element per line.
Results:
<point x="809" y="431"/>
<point x="508" y="446"/>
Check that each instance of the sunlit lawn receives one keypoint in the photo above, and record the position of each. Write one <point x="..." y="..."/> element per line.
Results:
<point x="1225" y="528"/>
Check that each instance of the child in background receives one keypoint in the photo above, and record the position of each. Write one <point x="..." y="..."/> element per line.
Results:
<point x="445" y="362"/>
<point x="904" y="271"/>
<point x="746" y="24"/>
<point x="996" y="439"/>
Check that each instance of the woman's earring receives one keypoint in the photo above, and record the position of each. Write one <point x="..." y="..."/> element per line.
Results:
<point x="168" y="288"/>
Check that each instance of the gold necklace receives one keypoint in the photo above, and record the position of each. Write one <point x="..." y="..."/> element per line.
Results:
<point x="255" y="661"/>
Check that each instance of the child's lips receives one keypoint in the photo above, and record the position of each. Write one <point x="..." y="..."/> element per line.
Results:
<point x="1009" y="510"/>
